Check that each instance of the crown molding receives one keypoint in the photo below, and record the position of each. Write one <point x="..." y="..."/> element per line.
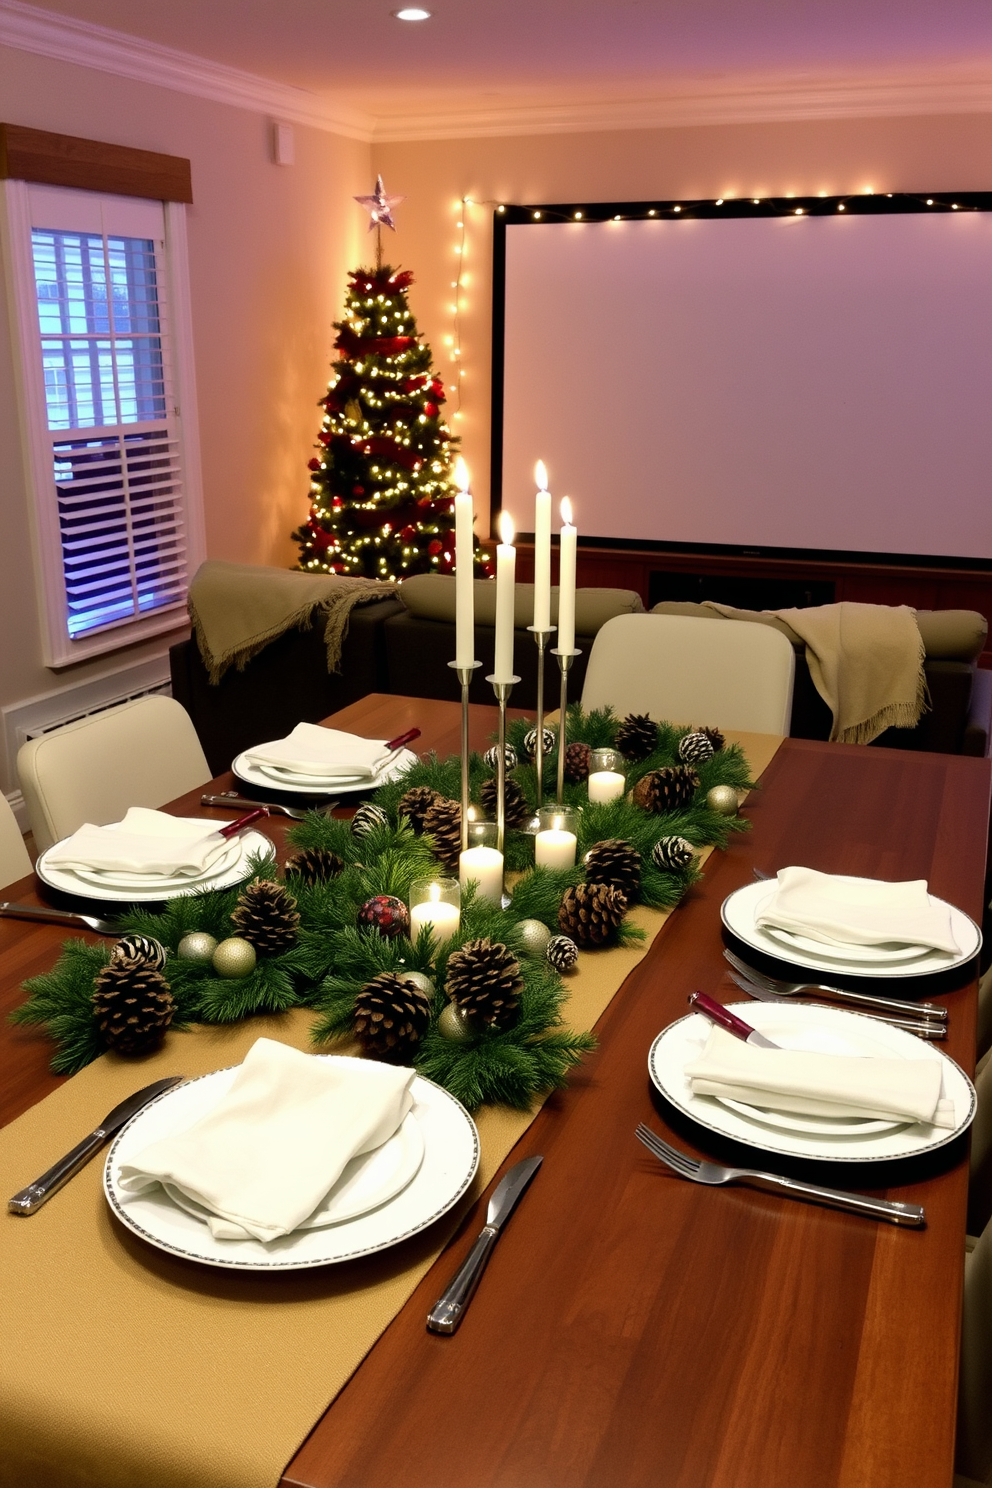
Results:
<point x="946" y="90"/>
<point x="30" y="29"/>
<point x="765" y="101"/>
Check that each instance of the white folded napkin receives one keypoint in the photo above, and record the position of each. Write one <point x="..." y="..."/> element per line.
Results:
<point x="145" y="841"/>
<point x="837" y="910"/>
<point x="820" y="1084"/>
<point x="327" y="754"/>
<point x="265" y="1156"/>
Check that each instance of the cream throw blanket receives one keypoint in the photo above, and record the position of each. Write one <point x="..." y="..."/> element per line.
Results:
<point x="866" y="662"/>
<point x="238" y="608"/>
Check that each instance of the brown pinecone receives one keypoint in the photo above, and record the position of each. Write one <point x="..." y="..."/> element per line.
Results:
<point x="265" y="916"/>
<point x="614" y="861"/>
<point x="133" y="1005"/>
<point x="666" y="790"/>
<point x="590" y="913"/>
<point x="415" y="805"/>
<point x="715" y="737"/>
<point x="484" y="979"/>
<point x="391" y="1015"/>
<point x="315" y="865"/>
<point x="577" y="763"/>
<point x="443" y="823"/>
<point x="514" y="799"/>
<point x="637" y="736"/>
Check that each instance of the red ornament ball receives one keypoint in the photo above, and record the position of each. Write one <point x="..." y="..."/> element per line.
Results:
<point x="386" y="914"/>
<point x="358" y="490"/>
<point x="313" y="464"/>
<point x="434" y="547"/>
<point x="408" y="534"/>
<point x="431" y="410"/>
<point x="337" y="503"/>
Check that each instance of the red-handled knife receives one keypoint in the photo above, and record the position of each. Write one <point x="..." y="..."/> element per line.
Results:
<point x="233" y="828"/>
<point x="406" y="738"/>
<point x="724" y="1018"/>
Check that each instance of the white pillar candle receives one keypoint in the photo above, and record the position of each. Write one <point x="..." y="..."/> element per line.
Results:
<point x="440" y="917"/>
<point x="554" y="847"/>
<point x="506" y="563"/>
<point x="464" y="564"/>
<point x="606" y="785"/>
<point x="542" y="551"/>
<point x="483" y="866"/>
<point x="566" y="580"/>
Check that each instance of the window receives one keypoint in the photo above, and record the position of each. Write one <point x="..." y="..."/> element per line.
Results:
<point x="101" y="305"/>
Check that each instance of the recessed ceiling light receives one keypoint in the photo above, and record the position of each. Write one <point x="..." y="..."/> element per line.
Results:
<point x="412" y="13"/>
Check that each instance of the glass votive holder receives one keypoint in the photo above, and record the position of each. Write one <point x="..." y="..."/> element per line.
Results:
<point x="554" y="845"/>
<point x="606" y="775"/>
<point x="482" y="862"/>
<point x="436" y="903"/>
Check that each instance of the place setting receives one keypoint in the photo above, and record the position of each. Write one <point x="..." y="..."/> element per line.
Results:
<point x="150" y="856"/>
<point x="315" y="761"/>
<point x="290" y="1161"/>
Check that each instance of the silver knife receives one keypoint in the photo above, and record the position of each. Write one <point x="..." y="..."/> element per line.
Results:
<point x="30" y="1199"/>
<point x="449" y="1309"/>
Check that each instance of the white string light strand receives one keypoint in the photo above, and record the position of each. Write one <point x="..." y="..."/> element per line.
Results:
<point x="454" y="341"/>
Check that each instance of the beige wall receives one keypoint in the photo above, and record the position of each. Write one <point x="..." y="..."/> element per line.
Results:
<point x="952" y="153"/>
<point x="269" y="247"/>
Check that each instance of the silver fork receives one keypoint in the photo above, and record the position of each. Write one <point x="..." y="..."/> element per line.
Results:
<point x="928" y="1028"/>
<point x="864" y="999"/>
<point x="715" y="1176"/>
<point x="231" y="798"/>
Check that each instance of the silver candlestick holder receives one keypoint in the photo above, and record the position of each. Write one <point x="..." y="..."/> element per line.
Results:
<point x="502" y="691"/>
<point x="565" y="659"/>
<point x="541" y="637"/>
<point x="464" y="671"/>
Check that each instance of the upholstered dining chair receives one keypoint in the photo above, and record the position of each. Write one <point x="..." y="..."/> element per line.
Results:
<point x="973" y="1449"/>
<point x="686" y="670"/>
<point x="14" y="859"/>
<point x="142" y="753"/>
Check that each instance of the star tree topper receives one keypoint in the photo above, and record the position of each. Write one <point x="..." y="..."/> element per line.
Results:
<point x="380" y="206"/>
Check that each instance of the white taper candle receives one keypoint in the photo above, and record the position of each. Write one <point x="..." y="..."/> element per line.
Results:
<point x="542" y="550"/>
<point x="566" y="580"/>
<point x="506" y="563"/>
<point x="464" y="594"/>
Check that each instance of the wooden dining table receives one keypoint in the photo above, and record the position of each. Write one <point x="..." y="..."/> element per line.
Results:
<point x="632" y="1328"/>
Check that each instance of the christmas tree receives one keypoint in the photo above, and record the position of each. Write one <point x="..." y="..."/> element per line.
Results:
<point x="381" y="490"/>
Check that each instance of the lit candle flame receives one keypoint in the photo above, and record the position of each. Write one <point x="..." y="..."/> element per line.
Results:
<point x="541" y="475"/>
<point x="461" y="476"/>
<point x="435" y="893"/>
<point x="566" y="511"/>
<point x="505" y="528"/>
<point x="556" y="822"/>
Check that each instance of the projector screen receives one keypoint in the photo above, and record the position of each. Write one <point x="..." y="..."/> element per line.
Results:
<point x="812" y="382"/>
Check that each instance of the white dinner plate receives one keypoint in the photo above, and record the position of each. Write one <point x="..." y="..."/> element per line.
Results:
<point x="831" y="1030"/>
<point x="366" y="1182"/>
<point x="865" y="955"/>
<point x="250" y="842"/>
<point x="306" y="785"/>
<point x="738" y="913"/>
<point x="112" y="879"/>
<point x="450" y="1160"/>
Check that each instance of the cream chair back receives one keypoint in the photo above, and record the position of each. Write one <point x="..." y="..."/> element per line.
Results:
<point x="685" y="670"/>
<point x="14" y="860"/>
<point x="980" y="1174"/>
<point x="140" y="754"/>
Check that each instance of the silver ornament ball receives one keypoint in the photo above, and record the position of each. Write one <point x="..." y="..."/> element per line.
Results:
<point x="534" y="938"/>
<point x="234" y="957"/>
<point x="723" y="798"/>
<point x="454" y="1024"/>
<point x="197" y="946"/>
<point x="420" y="980"/>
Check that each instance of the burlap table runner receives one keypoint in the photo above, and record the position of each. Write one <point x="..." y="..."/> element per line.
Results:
<point x="124" y="1367"/>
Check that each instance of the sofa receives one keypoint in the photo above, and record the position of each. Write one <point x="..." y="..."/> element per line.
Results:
<point x="400" y="645"/>
<point x="959" y="720"/>
<point x="404" y="644"/>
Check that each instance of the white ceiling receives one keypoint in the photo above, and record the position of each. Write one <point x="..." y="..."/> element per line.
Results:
<point x="501" y="56"/>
